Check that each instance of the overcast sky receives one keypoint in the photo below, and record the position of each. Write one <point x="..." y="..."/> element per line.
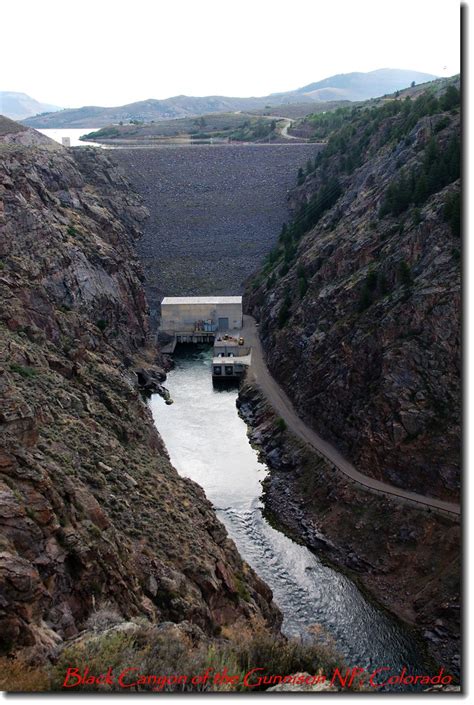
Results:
<point x="111" y="52"/>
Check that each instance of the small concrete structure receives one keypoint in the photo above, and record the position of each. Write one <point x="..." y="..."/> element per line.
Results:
<point x="66" y="141"/>
<point x="230" y="358"/>
<point x="200" y="318"/>
<point x="230" y="367"/>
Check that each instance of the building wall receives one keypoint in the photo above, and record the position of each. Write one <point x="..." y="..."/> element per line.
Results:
<point x="182" y="317"/>
<point x="226" y="350"/>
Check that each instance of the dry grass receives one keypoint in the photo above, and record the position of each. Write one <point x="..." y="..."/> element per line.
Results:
<point x="17" y="677"/>
<point x="168" y="652"/>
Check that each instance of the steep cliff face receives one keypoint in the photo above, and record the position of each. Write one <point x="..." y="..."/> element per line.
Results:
<point x="92" y="513"/>
<point x="359" y="302"/>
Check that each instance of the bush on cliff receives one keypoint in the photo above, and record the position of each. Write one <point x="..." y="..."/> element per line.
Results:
<point x="167" y="650"/>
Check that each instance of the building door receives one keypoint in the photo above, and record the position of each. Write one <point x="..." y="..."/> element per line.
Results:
<point x="223" y="323"/>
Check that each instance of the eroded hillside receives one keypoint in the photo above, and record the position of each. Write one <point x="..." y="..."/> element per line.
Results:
<point x="359" y="303"/>
<point x="92" y="513"/>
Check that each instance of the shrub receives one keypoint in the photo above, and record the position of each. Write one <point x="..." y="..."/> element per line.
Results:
<point x="371" y="280"/>
<point x="101" y="324"/>
<point x="452" y="213"/>
<point x="323" y="200"/>
<point x="283" y="316"/>
<point x="18" y="676"/>
<point x="451" y="99"/>
<point x="167" y="652"/>
<point x="280" y="424"/>
<point x="302" y="286"/>
<point x="300" y="270"/>
<point x="25" y="372"/>
<point x="439" y="168"/>
<point x="271" y="281"/>
<point x="442" y="123"/>
<point x="285" y="311"/>
<point x="416" y="216"/>
<point x="365" y="300"/>
<point x="290" y="252"/>
<point x="404" y="274"/>
<point x="368" y="291"/>
<point x="383" y="284"/>
<point x="103" y="618"/>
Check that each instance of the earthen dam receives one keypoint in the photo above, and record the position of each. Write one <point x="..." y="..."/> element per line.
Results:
<point x="215" y="212"/>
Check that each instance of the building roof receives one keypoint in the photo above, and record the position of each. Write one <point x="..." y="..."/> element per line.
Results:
<point x="202" y="300"/>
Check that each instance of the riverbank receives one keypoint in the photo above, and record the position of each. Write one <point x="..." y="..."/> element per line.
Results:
<point x="208" y="443"/>
<point x="396" y="553"/>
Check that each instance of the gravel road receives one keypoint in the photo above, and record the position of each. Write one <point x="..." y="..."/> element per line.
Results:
<point x="283" y="406"/>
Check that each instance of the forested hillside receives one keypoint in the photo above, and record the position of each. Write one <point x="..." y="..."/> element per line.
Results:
<point x="359" y="302"/>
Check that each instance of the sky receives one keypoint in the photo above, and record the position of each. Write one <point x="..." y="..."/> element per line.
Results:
<point x="104" y="52"/>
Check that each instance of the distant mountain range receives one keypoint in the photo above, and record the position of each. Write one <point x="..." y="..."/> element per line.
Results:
<point x="19" y="106"/>
<point x="350" y="86"/>
<point x="359" y="86"/>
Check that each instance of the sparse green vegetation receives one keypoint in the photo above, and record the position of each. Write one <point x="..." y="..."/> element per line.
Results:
<point x="375" y="286"/>
<point x="25" y="372"/>
<point x="104" y="132"/>
<point x="285" y="311"/>
<point x="367" y="292"/>
<point x="308" y="216"/>
<point x="242" y="589"/>
<point x="452" y="213"/>
<point x="153" y="651"/>
<point x="101" y="324"/>
<point x="234" y="126"/>
<point x="451" y="98"/>
<point x="440" y="167"/>
<point x="271" y="281"/>
<point x="404" y="274"/>
<point x="416" y="216"/>
<point x="280" y="424"/>
<point x="302" y="286"/>
<point x="253" y="130"/>
<point x="350" y="130"/>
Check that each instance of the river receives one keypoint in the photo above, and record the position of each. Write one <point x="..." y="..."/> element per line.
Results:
<point x="207" y="442"/>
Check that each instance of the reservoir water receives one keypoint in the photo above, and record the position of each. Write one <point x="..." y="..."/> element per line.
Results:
<point x="72" y="133"/>
<point x="207" y="442"/>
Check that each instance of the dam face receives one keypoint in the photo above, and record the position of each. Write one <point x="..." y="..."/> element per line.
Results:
<point x="215" y="212"/>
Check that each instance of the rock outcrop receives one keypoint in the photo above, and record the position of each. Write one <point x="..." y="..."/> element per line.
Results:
<point x="407" y="558"/>
<point x="92" y="513"/>
<point x="359" y="304"/>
